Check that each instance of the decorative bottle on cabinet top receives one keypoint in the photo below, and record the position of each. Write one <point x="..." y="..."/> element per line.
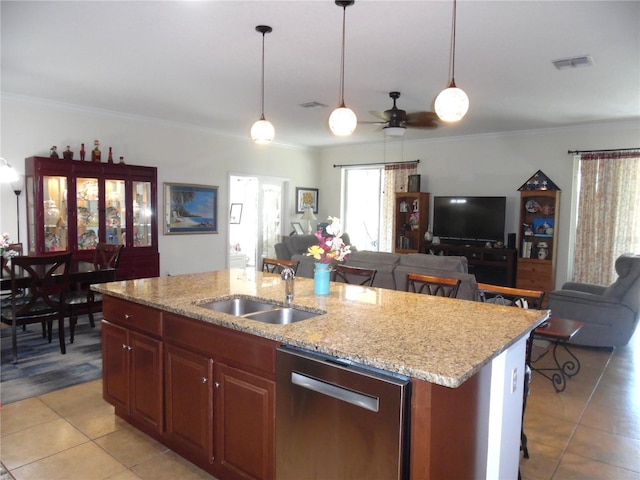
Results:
<point x="95" y="153"/>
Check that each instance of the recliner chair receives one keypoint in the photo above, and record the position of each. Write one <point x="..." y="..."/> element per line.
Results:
<point x="610" y="314"/>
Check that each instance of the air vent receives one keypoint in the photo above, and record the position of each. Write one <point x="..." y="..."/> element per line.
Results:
<point x="313" y="104"/>
<point x="575" y="62"/>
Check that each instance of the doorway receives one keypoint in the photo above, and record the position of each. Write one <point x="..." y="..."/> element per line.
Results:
<point x="256" y="219"/>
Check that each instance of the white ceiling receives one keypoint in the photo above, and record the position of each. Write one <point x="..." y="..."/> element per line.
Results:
<point x="198" y="62"/>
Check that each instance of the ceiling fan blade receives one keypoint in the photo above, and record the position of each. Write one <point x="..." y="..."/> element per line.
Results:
<point x="422" y="120"/>
<point x="381" y="115"/>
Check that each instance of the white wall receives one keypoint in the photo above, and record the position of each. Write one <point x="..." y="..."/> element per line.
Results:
<point x="182" y="155"/>
<point x="495" y="165"/>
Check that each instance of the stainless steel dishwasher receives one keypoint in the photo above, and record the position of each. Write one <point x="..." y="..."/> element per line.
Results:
<point x="338" y="420"/>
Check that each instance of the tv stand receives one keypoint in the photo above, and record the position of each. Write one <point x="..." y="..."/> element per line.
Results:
<point x="496" y="266"/>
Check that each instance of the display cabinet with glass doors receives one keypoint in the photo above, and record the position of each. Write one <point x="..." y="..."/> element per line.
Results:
<point x="72" y="205"/>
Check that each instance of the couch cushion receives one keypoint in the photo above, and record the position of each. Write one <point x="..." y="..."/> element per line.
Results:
<point x="383" y="262"/>
<point x="436" y="262"/>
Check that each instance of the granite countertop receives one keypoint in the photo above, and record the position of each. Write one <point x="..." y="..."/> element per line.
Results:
<point x="439" y="340"/>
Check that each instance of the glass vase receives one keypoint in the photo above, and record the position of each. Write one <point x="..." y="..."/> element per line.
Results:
<point x="321" y="279"/>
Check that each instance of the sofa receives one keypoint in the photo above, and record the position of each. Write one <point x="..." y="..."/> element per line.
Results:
<point x="392" y="268"/>
<point x="298" y="245"/>
<point x="610" y="313"/>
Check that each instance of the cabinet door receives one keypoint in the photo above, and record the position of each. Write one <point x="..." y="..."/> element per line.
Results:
<point x="245" y="424"/>
<point x="146" y="401"/>
<point x="189" y="403"/>
<point x="56" y="226"/>
<point x="115" y="212"/>
<point x="87" y="213"/>
<point x="115" y="365"/>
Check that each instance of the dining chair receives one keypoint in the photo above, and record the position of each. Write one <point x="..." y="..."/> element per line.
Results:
<point x="433" y="285"/>
<point x="83" y="299"/>
<point x="275" y="265"/>
<point x="354" y="275"/>
<point x="523" y="298"/>
<point x="39" y="298"/>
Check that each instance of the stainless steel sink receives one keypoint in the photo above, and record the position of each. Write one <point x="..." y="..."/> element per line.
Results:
<point x="259" y="310"/>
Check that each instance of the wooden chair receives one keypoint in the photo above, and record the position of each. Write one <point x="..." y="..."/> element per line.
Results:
<point x="354" y="275"/>
<point x="86" y="300"/>
<point x="48" y="283"/>
<point x="275" y="265"/>
<point x="517" y="297"/>
<point x="431" y="285"/>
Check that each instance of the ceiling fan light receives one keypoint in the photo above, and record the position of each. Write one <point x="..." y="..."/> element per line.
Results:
<point x="451" y="104"/>
<point x="343" y="121"/>
<point x="395" y="131"/>
<point x="262" y="132"/>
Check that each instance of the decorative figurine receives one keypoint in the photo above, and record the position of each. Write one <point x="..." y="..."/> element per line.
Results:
<point x="95" y="153"/>
<point x="110" y="158"/>
<point x="67" y="154"/>
<point x="53" y="153"/>
<point x="82" y="152"/>
<point x="121" y="160"/>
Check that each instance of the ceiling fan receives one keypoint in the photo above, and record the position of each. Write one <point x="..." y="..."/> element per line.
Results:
<point x="395" y="121"/>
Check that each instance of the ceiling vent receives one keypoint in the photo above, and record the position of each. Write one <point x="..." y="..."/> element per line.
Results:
<point x="575" y="62"/>
<point x="312" y="104"/>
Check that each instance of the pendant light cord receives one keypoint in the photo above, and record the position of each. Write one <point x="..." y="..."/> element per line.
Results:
<point x="452" y="59"/>
<point x="344" y="15"/>
<point x="262" y="83"/>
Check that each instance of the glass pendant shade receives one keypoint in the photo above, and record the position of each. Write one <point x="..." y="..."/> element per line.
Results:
<point x="8" y="174"/>
<point x="451" y="104"/>
<point x="343" y="121"/>
<point x="262" y="132"/>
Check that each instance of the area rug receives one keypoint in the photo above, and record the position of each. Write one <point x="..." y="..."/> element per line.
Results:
<point x="41" y="368"/>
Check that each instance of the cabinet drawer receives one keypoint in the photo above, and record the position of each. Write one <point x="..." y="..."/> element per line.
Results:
<point x="219" y="342"/>
<point x="132" y="315"/>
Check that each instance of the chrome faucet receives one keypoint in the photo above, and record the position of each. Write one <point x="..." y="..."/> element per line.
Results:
<point x="288" y="275"/>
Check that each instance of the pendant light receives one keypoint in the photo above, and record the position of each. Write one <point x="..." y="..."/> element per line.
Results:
<point x="262" y="132"/>
<point x="343" y="120"/>
<point x="452" y="103"/>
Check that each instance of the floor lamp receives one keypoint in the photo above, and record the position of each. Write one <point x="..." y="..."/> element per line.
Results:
<point x="17" y="189"/>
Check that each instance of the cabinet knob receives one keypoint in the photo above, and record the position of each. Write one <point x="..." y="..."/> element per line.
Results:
<point x="204" y="379"/>
<point x="127" y="316"/>
<point x="216" y="384"/>
<point x="124" y="347"/>
<point x="129" y="347"/>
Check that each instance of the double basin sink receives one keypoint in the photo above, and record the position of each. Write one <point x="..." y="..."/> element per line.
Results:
<point x="259" y="310"/>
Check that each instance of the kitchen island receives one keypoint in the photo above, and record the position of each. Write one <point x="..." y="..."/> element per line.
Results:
<point x="465" y="359"/>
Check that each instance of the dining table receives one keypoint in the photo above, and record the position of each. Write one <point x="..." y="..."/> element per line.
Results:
<point x="80" y="272"/>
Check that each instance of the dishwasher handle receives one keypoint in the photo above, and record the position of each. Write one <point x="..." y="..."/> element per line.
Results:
<point x="361" y="400"/>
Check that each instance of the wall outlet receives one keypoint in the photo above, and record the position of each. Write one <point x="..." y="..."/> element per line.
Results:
<point x="514" y="380"/>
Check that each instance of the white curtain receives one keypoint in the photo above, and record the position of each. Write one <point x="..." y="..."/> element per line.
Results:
<point x="396" y="178"/>
<point x="608" y="214"/>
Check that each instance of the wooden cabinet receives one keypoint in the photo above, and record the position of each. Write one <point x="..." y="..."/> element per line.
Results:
<point x="72" y="205"/>
<point x="246" y="424"/>
<point x="539" y="222"/>
<point x="189" y="403"/>
<point x="132" y="372"/>
<point x="410" y="221"/>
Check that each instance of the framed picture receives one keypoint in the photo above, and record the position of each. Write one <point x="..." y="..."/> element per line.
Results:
<point x="543" y="226"/>
<point x="236" y="213"/>
<point x="413" y="183"/>
<point x="297" y="228"/>
<point x="305" y="198"/>
<point x="190" y="208"/>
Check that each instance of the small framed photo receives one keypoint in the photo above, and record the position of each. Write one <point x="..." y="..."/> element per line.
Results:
<point x="543" y="226"/>
<point x="297" y="228"/>
<point x="306" y="198"/>
<point x="190" y="208"/>
<point x="236" y="213"/>
<point x="413" y="183"/>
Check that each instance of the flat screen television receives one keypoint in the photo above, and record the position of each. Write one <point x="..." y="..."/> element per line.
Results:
<point x="469" y="219"/>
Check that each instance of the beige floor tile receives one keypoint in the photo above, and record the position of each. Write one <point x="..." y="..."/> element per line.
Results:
<point x="130" y="446"/>
<point x="126" y="475"/>
<point x="541" y="463"/>
<point x="619" y="418"/>
<point x="24" y="414"/>
<point x="168" y="467"/>
<point x="78" y="398"/>
<point x="84" y="462"/>
<point x="606" y="447"/>
<point x="547" y="431"/>
<point x="97" y="422"/>
<point x="575" y="467"/>
<point x="35" y="443"/>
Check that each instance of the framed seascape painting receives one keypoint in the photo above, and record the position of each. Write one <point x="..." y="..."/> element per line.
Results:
<point x="190" y="208"/>
<point x="306" y="198"/>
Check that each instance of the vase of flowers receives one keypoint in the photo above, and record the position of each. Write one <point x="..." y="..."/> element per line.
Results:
<point x="329" y="250"/>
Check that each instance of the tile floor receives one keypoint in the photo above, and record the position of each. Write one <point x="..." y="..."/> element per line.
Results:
<point x="589" y="431"/>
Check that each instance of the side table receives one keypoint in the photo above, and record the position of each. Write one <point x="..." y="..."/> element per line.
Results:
<point x="558" y="331"/>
